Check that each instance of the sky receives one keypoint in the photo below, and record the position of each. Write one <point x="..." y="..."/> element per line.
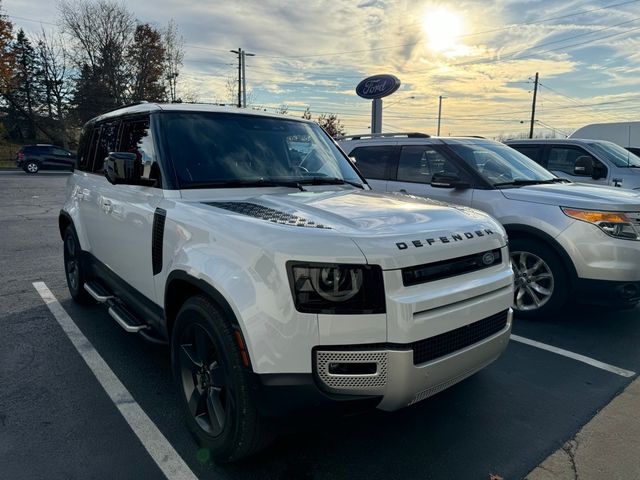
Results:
<point x="481" y="56"/>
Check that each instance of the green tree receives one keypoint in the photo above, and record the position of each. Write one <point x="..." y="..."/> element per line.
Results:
<point x="25" y="95"/>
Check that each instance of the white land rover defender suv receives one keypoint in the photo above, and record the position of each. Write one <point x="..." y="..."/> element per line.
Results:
<point x="251" y="245"/>
<point x="568" y="241"/>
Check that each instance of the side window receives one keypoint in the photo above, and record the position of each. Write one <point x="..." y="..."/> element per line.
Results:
<point x="419" y="163"/>
<point x="84" y="145"/>
<point x="531" y="151"/>
<point x="137" y="138"/>
<point x="107" y="142"/>
<point x="373" y="162"/>
<point x="571" y="160"/>
<point x="59" y="151"/>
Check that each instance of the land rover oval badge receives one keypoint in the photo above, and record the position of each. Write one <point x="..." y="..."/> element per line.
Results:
<point x="378" y="86"/>
<point x="488" y="258"/>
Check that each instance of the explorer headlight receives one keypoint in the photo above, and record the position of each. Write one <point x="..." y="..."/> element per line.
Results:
<point x="337" y="289"/>
<point x="614" y="224"/>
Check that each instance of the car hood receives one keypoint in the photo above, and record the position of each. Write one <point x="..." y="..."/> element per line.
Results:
<point x="394" y="230"/>
<point x="577" y="195"/>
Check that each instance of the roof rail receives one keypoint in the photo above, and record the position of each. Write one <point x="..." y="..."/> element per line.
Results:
<point x="384" y="135"/>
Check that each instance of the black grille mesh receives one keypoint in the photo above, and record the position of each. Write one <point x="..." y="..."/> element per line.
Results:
<point x="450" y="268"/>
<point x="449" y="342"/>
<point x="266" y="213"/>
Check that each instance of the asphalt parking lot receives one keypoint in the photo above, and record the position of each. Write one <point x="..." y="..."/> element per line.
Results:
<point x="56" y="421"/>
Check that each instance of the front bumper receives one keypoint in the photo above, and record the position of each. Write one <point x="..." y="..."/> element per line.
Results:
<point x="607" y="293"/>
<point x="396" y="377"/>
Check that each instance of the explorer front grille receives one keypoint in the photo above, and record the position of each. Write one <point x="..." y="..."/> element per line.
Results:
<point x="450" y="268"/>
<point x="454" y="340"/>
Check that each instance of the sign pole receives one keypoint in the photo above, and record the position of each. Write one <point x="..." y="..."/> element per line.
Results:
<point x="376" y="115"/>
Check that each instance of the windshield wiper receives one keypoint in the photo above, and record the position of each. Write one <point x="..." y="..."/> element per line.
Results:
<point x="329" y="181"/>
<point x="237" y="183"/>
<point x="522" y="181"/>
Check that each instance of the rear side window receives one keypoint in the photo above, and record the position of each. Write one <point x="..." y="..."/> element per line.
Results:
<point x="107" y="141"/>
<point x="374" y="162"/>
<point x="531" y="151"/>
<point x="60" y="151"/>
<point x="419" y="163"/>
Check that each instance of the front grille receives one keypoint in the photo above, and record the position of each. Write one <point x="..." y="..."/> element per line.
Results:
<point x="449" y="342"/>
<point x="450" y="268"/>
<point x="634" y="217"/>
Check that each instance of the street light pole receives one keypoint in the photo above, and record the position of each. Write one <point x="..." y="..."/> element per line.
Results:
<point x="244" y="78"/>
<point x="239" y="52"/>
<point x="439" y="112"/>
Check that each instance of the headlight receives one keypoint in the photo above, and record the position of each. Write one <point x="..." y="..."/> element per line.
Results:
<point x="337" y="289"/>
<point x="614" y="224"/>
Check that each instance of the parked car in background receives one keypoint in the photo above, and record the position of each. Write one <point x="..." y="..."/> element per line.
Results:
<point x="567" y="241"/>
<point x="586" y="161"/>
<point x="625" y="134"/>
<point x="33" y="158"/>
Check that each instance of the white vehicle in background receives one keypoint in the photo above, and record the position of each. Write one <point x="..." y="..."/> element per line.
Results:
<point x="250" y="244"/>
<point x="625" y="134"/>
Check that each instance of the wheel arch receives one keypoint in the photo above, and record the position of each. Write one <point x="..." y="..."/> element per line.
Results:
<point x="64" y="220"/>
<point x="525" y="231"/>
<point x="180" y="286"/>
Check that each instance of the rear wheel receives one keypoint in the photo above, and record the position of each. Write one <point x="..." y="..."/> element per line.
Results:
<point x="214" y="385"/>
<point x="73" y="269"/>
<point x="31" y="167"/>
<point x="540" y="278"/>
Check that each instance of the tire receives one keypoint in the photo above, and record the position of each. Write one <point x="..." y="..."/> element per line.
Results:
<point x="73" y="268"/>
<point x="31" y="167"/>
<point x="541" y="280"/>
<point x="214" y="386"/>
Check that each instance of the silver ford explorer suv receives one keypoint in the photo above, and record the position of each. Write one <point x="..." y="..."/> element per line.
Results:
<point x="250" y="244"/>
<point x="568" y="241"/>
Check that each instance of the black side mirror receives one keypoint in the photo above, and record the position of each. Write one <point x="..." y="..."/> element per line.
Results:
<point x="599" y="171"/>
<point x="124" y="168"/>
<point x="448" y="180"/>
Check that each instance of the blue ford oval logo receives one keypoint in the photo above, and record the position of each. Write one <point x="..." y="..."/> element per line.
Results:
<point x="488" y="258"/>
<point x="378" y="86"/>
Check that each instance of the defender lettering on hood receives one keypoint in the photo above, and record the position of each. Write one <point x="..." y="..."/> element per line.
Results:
<point x="454" y="237"/>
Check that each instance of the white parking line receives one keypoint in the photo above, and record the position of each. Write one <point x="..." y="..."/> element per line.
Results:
<point x="576" y="356"/>
<point x="152" y="439"/>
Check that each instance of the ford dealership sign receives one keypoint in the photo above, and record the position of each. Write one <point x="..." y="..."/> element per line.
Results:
<point x="378" y="86"/>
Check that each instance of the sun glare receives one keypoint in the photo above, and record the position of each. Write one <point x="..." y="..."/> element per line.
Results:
<point x="442" y="28"/>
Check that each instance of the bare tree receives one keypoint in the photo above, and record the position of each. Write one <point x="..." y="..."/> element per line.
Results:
<point x="54" y="64"/>
<point x="173" y="44"/>
<point x="332" y="124"/>
<point x="307" y="114"/>
<point x="283" y="109"/>
<point x="101" y="32"/>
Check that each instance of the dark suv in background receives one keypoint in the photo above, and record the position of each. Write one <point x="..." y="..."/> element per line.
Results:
<point x="33" y="158"/>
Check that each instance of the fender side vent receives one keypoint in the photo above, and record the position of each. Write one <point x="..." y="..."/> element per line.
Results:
<point x="157" y="237"/>
<point x="265" y="213"/>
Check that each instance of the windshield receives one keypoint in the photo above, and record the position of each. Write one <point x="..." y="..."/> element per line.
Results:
<point x="502" y="165"/>
<point x="227" y="149"/>
<point x="620" y="157"/>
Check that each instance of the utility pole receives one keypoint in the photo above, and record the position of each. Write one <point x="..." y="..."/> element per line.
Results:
<point x="239" y="52"/>
<point x="439" y="112"/>
<point x="533" y="106"/>
<point x="244" y="77"/>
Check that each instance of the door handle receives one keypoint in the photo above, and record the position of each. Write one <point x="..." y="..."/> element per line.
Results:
<point x="402" y="190"/>
<point x="107" y="206"/>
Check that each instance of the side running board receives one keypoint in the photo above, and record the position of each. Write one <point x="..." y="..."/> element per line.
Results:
<point x="128" y="321"/>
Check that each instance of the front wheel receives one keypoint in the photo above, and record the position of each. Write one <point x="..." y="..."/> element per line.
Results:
<point x="540" y="278"/>
<point x="214" y="384"/>
<point x="31" y="167"/>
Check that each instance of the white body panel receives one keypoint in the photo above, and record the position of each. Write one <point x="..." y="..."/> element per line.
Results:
<point x="625" y="134"/>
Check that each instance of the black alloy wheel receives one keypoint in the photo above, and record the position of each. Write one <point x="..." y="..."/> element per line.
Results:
<point x="204" y="381"/>
<point x="73" y="268"/>
<point x="216" y="387"/>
